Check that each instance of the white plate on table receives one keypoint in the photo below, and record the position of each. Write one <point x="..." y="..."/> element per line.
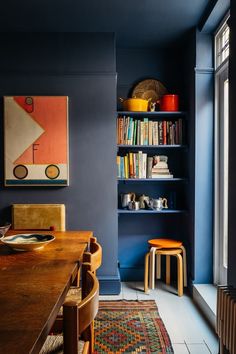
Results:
<point x="27" y="242"/>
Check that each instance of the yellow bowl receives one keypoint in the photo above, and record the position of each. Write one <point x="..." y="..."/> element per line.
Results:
<point x="135" y="105"/>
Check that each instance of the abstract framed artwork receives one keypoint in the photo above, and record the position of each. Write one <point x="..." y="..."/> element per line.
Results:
<point x="36" y="141"/>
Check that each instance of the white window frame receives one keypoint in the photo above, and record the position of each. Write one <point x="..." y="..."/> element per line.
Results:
<point x="220" y="220"/>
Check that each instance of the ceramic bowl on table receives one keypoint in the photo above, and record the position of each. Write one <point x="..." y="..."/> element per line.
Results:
<point x="27" y="242"/>
<point x="4" y="229"/>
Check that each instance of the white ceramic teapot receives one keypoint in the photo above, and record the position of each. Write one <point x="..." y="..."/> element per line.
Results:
<point x="158" y="204"/>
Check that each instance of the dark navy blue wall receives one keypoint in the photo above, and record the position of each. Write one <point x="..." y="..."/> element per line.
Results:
<point x="81" y="66"/>
<point x="163" y="64"/>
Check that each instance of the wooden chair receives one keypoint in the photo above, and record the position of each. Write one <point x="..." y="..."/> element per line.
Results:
<point x="94" y="257"/>
<point x="38" y="217"/>
<point x="75" y="293"/>
<point x="78" y="318"/>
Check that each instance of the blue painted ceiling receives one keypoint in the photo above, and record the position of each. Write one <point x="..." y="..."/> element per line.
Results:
<point x="136" y="23"/>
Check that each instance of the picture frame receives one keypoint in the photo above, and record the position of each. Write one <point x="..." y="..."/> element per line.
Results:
<point x="36" y="141"/>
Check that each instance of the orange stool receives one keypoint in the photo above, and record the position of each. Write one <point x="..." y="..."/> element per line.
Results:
<point x="167" y="247"/>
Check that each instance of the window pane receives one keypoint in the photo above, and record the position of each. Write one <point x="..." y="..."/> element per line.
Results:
<point x="222" y="45"/>
<point x="226" y="144"/>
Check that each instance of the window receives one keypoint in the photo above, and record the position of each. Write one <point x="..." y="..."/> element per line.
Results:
<point x="221" y="154"/>
<point x="221" y="45"/>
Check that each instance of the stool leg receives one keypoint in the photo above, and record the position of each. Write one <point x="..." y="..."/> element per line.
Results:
<point x="168" y="270"/>
<point x="158" y="266"/>
<point x="180" y="274"/>
<point x="146" y="271"/>
<point x="152" y="267"/>
<point x="184" y="265"/>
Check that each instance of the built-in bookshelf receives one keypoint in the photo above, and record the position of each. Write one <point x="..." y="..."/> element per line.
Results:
<point x="142" y="137"/>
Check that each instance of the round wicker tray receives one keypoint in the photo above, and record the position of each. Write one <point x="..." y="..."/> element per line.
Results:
<point x="149" y="88"/>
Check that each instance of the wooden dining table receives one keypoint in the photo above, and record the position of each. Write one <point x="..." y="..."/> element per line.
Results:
<point x="33" y="286"/>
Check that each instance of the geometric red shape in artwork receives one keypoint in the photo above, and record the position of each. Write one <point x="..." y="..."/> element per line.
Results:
<point x="50" y="112"/>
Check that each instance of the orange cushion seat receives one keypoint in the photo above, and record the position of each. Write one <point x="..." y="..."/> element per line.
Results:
<point x="164" y="243"/>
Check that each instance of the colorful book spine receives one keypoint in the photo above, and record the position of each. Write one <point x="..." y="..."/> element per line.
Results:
<point x="131" y="166"/>
<point x="138" y="132"/>
<point x="145" y="131"/>
<point x="126" y="165"/>
<point x="144" y="166"/>
<point x="141" y="133"/>
<point x="155" y="138"/>
<point x="122" y="167"/>
<point x="150" y="132"/>
<point x="140" y="164"/>
<point x="164" y="132"/>
<point x="130" y="129"/>
<point x="160" y="130"/>
<point x="134" y="166"/>
<point x="118" y="166"/>
<point x="135" y="133"/>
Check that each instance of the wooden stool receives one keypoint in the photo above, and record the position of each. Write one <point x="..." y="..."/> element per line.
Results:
<point x="167" y="244"/>
<point x="177" y="252"/>
<point x="160" y="244"/>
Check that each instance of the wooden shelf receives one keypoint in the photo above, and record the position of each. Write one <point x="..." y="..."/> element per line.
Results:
<point x="146" y="211"/>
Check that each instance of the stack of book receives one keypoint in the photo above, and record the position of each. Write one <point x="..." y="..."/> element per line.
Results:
<point x="139" y="165"/>
<point x="147" y="132"/>
<point x="160" y="167"/>
<point x="132" y="165"/>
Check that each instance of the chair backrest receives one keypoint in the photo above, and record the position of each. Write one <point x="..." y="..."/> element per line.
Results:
<point x="94" y="256"/>
<point x="78" y="316"/>
<point x="38" y="217"/>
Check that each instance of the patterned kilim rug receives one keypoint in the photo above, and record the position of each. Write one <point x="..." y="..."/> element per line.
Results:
<point x="130" y="327"/>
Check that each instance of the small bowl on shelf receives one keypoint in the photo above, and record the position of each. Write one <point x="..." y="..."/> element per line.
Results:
<point x="4" y="229"/>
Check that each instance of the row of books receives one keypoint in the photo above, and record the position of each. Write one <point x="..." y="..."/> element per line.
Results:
<point x="132" y="131"/>
<point x="139" y="165"/>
